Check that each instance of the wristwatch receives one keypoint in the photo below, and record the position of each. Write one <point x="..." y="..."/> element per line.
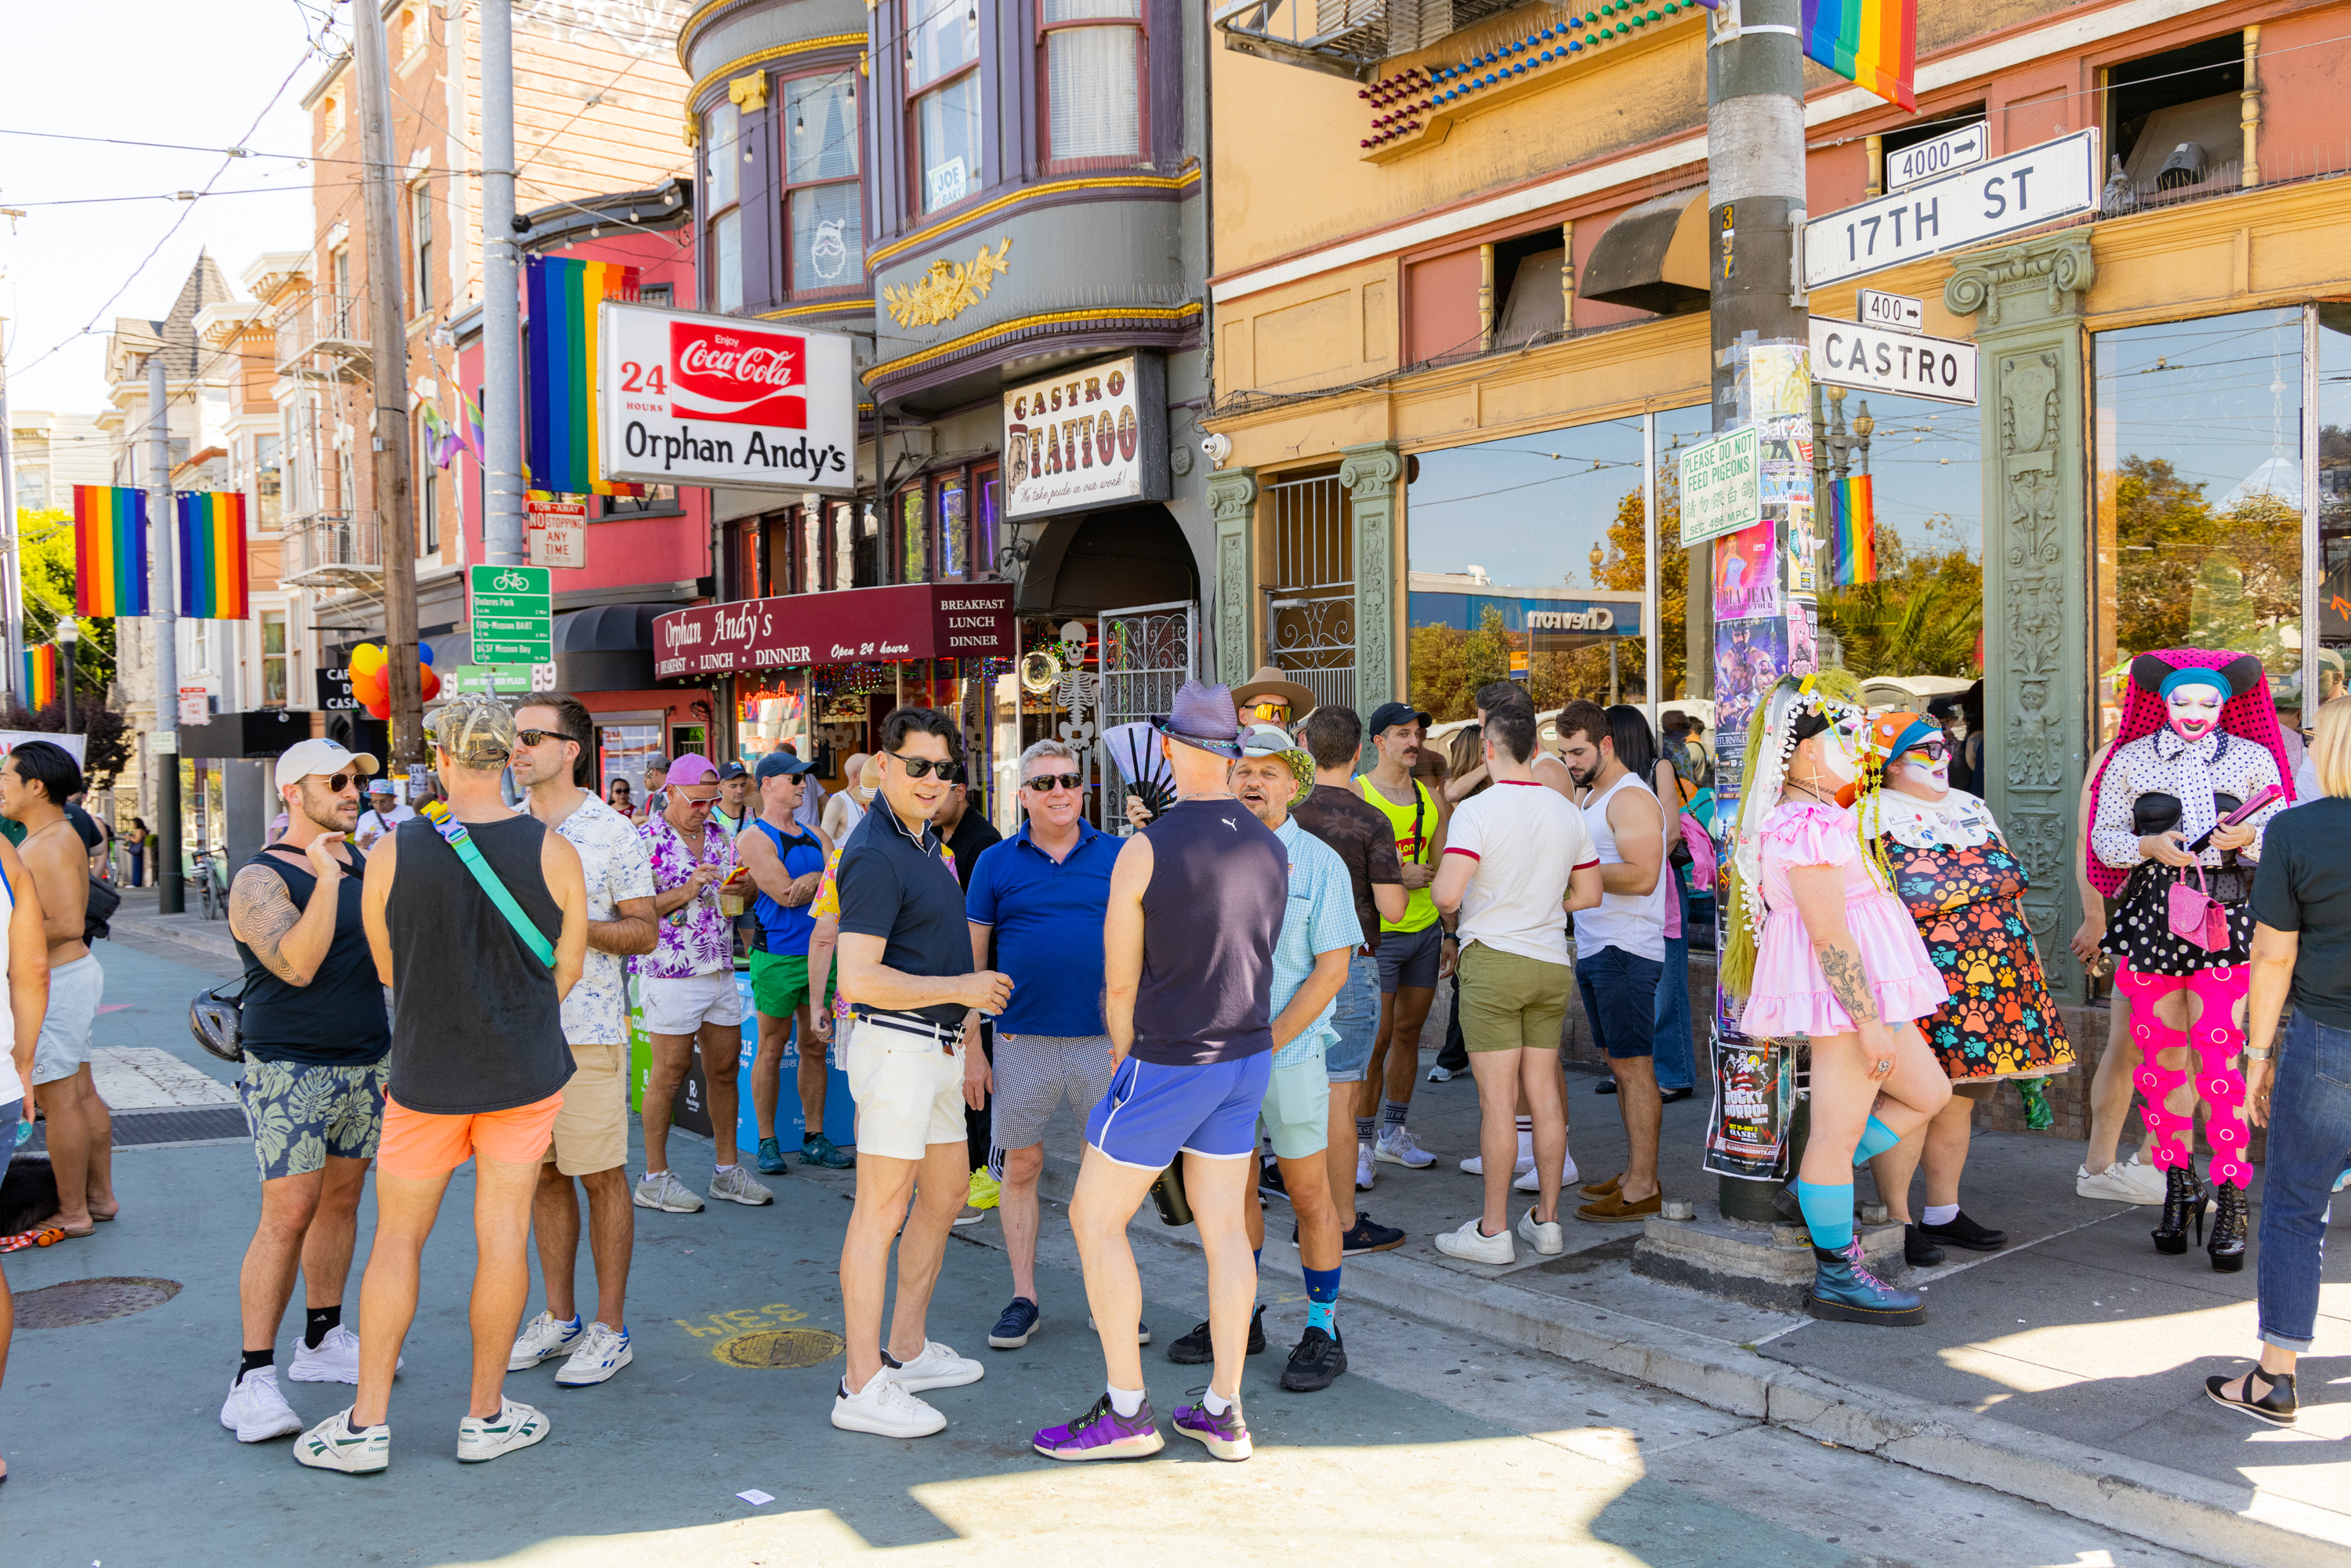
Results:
<point x="2258" y="1053"/>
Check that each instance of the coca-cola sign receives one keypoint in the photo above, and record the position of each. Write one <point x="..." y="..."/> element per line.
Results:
<point x="690" y="399"/>
<point x="911" y="621"/>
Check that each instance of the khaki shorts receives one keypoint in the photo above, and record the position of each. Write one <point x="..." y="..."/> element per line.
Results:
<point x="909" y="1092"/>
<point x="591" y="1128"/>
<point x="1509" y="1001"/>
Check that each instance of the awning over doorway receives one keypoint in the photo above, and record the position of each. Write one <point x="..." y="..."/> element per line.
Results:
<point x="1653" y="257"/>
<point x="605" y="648"/>
<point x="909" y="621"/>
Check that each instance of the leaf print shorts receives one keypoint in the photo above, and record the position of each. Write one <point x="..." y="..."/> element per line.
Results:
<point x="301" y="1113"/>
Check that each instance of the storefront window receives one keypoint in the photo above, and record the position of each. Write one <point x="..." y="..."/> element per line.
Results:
<point x="2334" y="330"/>
<point x="2198" y="496"/>
<point x="914" y="544"/>
<point x="943" y="83"/>
<point x="621" y="752"/>
<point x="823" y="209"/>
<point x="983" y="544"/>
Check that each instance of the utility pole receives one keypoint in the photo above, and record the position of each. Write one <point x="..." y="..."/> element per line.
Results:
<point x="1755" y="213"/>
<point x="394" y="485"/>
<point x="163" y="605"/>
<point x="501" y="298"/>
<point x="11" y="584"/>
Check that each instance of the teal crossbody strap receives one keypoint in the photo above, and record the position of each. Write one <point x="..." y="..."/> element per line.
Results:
<point x="463" y="843"/>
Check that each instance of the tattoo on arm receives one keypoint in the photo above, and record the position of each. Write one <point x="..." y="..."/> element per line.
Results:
<point x="1849" y="983"/>
<point x="260" y="912"/>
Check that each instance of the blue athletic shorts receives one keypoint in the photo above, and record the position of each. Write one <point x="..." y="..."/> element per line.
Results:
<point x="1153" y="1112"/>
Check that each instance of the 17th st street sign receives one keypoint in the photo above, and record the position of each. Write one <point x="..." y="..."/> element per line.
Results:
<point x="2041" y="185"/>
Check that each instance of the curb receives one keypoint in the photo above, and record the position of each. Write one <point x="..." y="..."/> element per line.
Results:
<point x="2152" y="1502"/>
<point x="219" y="946"/>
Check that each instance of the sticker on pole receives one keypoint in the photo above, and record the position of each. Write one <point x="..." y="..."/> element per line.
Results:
<point x="1722" y="486"/>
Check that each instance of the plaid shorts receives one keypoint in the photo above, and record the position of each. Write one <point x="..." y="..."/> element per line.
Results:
<point x="302" y="1114"/>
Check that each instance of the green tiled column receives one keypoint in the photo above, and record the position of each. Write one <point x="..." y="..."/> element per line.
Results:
<point x="1232" y="499"/>
<point x="1371" y="475"/>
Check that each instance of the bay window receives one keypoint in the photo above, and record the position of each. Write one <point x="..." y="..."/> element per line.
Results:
<point x="722" y="192"/>
<point x="1093" y="78"/>
<point x="823" y="212"/>
<point x="943" y="93"/>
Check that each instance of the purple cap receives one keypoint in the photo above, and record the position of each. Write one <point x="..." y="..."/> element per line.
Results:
<point x="691" y="769"/>
<point x="1205" y="717"/>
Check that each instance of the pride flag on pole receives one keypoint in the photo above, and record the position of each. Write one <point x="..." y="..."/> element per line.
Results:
<point x="40" y="676"/>
<point x="560" y="454"/>
<point x="109" y="550"/>
<point x="1853" y="530"/>
<point x="1871" y="43"/>
<point x="211" y="555"/>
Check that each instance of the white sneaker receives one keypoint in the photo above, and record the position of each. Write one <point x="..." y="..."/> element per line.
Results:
<point x="603" y="1352"/>
<point x="255" y="1411"/>
<point x="1396" y="1147"/>
<point x="663" y="1191"/>
<point x="737" y="1186"/>
<point x="1548" y="1239"/>
<point x="334" y="1444"/>
<point x="2122" y="1182"/>
<point x="886" y="1410"/>
<point x="1363" y="1172"/>
<point x="936" y="1367"/>
<point x="1568" y="1176"/>
<point x="543" y="1338"/>
<point x="1475" y="1163"/>
<point x="336" y="1359"/>
<point x="514" y="1426"/>
<point x="1468" y="1244"/>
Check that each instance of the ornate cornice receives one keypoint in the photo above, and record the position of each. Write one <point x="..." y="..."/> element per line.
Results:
<point x="2054" y="273"/>
<point x="734" y="67"/>
<point x="1370" y="473"/>
<point x="1027" y="195"/>
<point x="1101" y="318"/>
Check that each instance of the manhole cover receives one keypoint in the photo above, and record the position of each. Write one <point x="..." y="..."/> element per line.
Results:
<point x="91" y="1300"/>
<point x="788" y="1349"/>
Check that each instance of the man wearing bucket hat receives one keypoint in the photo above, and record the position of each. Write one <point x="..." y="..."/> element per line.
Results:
<point x="1319" y="933"/>
<point x="1197" y="901"/>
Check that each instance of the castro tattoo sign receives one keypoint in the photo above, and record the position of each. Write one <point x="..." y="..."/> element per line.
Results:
<point x="1084" y="438"/>
<point x="687" y="399"/>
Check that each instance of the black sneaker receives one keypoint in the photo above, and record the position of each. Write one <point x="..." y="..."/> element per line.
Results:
<point x="1193" y="1349"/>
<point x="1367" y="1234"/>
<point x="1269" y="1181"/>
<point x="1315" y="1365"/>
<point x="1965" y="1232"/>
<point x="1918" y="1250"/>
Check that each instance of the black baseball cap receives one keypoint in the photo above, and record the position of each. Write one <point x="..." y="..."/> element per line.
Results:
<point x="730" y="768"/>
<point x="1388" y="716"/>
<point x="777" y="765"/>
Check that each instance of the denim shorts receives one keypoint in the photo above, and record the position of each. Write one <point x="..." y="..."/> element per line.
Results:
<point x="1355" y="1020"/>
<point x="1620" y="997"/>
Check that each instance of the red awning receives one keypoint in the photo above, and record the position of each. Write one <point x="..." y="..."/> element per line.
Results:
<point x="912" y="621"/>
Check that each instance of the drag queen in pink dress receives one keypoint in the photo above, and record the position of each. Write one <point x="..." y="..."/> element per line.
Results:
<point x="1823" y="949"/>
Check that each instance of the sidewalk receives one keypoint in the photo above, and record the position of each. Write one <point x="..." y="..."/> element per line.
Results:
<point x="2067" y="1368"/>
<point x="189" y="937"/>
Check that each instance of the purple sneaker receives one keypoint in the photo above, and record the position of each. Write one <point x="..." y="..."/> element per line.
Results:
<point x="1102" y="1433"/>
<point x="1225" y="1436"/>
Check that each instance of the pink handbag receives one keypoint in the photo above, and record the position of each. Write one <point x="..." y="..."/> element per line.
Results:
<point x="2195" y="915"/>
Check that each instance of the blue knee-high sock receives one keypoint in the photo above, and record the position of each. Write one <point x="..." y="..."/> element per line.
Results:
<point x="1828" y="1213"/>
<point x="1876" y="1139"/>
<point x="1322" y="1300"/>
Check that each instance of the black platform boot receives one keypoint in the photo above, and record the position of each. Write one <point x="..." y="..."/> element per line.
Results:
<point x="2228" y="1245"/>
<point x="2183" y="1197"/>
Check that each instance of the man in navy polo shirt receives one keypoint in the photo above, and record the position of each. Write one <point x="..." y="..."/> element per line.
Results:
<point x="1041" y="896"/>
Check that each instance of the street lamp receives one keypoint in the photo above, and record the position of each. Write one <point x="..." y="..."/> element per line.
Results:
<point x="67" y="634"/>
<point x="1599" y="558"/>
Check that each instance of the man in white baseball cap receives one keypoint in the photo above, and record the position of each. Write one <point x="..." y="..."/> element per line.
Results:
<point x="321" y="759"/>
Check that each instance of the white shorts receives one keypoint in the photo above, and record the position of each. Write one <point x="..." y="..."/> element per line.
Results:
<point x="909" y="1092"/>
<point x="682" y="1007"/>
<point x="75" y="991"/>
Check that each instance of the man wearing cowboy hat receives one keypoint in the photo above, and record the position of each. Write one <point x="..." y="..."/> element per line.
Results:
<point x="1267" y="698"/>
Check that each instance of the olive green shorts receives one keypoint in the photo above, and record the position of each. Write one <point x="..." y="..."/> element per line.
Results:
<point x="1511" y="1002"/>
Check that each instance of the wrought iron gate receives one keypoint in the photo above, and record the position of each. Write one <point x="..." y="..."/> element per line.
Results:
<point x="1147" y="652"/>
<point x="1311" y="616"/>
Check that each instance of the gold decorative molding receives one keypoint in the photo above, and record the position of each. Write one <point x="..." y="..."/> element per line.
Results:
<point x="749" y="92"/>
<point x="948" y="290"/>
<point x="1027" y="195"/>
<point x="1006" y="330"/>
<point x="767" y="56"/>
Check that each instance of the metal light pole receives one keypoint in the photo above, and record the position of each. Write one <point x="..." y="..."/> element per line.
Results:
<point x="164" y="601"/>
<point x="501" y="302"/>
<point x="69" y="639"/>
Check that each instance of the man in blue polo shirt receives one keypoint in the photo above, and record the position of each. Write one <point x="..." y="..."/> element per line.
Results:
<point x="1041" y="897"/>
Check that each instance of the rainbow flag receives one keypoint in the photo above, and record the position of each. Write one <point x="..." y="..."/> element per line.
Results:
<point x="1853" y="530"/>
<point x="109" y="550"/>
<point x="560" y="297"/>
<point x="1871" y="43"/>
<point x="211" y="555"/>
<point x="40" y="676"/>
<point x="470" y="432"/>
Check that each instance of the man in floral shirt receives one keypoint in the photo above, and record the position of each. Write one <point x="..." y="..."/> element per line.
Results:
<point x="687" y="985"/>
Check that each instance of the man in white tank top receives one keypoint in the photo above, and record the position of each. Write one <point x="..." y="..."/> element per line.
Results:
<point x="1620" y="950"/>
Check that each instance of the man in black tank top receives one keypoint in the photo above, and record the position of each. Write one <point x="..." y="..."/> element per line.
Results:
<point x="478" y="957"/>
<point x="1196" y="901"/>
<point x="315" y="1035"/>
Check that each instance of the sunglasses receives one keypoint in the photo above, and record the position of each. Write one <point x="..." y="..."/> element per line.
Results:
<point x="923" y="767"/>
<point x="699" y="802"/>
<point x="1932" y="750"/>
<point x="336" y="784"/>
<point x="539" y="736"/>
<point x="1046" y="783"/>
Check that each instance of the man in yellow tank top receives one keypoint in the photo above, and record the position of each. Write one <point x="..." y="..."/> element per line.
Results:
<point x="1414" y="951"/>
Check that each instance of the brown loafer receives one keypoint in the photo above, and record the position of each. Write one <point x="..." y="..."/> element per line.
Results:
<point x="1603" y="1188"/>
<point x="1613" y="1209"/>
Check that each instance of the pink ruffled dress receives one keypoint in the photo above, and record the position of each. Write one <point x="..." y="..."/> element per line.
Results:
<point x="1791" y="996"/>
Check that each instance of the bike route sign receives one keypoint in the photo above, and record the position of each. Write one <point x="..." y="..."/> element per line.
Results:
<point x="513" y="614"/>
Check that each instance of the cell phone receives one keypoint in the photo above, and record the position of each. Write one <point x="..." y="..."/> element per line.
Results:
<point x="2262" y="797"/>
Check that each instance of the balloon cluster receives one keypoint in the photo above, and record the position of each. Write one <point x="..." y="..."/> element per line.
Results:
<point x="371" y="682"/>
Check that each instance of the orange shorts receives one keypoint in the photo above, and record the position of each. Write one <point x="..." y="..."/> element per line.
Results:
<point x="419" y="1146"/>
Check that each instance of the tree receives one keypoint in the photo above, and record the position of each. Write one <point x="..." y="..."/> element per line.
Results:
<point x="1921" y="617"/>
<point x="2186" y="575"/>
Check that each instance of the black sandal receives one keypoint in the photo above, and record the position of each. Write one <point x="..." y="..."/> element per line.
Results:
<point x="2277" y="1407"/>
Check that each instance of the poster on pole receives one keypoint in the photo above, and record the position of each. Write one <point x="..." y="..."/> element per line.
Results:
<point x="1722" y="489"/>
<point x="1747" y="573"/>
